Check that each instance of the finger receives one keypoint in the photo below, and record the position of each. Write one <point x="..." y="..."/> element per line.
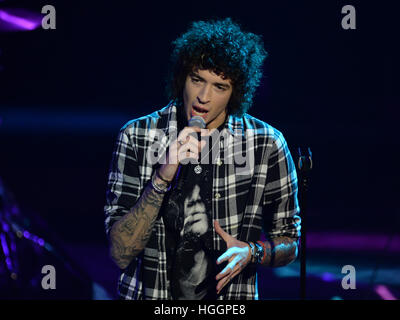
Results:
<point x="235" y="273"/>
<point x="223" y="282"/>
<point x="184" y="140"/>
<point x="193" y="140"/>
<point x="236" y="266"/>
<point x="191" y="143"/>
<point x="221" y="232"/>
<point x="197" y="144"/>
<point x="188" y="132"/>
<point x="188" y="147"/>
<point x="226" y="255"/>
<point x="186" y="152"/>
<point x="229" y="268"/>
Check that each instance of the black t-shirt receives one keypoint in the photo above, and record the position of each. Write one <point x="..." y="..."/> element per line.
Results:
<point x="188" y="220"/>
<point x="187" y="214"/>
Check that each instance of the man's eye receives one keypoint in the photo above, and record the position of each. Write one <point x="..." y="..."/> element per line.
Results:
<point x="195" y="80"/>
<point x="221" y="88"/>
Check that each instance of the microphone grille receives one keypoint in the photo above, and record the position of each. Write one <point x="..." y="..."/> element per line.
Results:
<point x="197" y="121"/>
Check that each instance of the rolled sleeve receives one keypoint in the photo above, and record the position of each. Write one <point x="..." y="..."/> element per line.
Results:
<point x="281" y="209"/>
<point x="123" y="186"/>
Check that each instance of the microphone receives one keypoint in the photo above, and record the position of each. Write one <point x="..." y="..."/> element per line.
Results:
<point x="195" y="121"/>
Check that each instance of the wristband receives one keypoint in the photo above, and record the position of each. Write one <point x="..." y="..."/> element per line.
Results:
<point x="157" y="188"/>
<point x="264" y="253"/>
<point x="259" y="254"/>
<point x="251" y="244"/>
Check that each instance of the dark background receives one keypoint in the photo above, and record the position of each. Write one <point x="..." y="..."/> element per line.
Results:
<point x="65" y="93"/>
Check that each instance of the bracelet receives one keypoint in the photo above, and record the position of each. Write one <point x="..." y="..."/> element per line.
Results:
<point x="157" y="188"/>
<point x="251" y="244"/>
<point x="264" y="252"/>
<point x="259" y="255"/>
<point x="257" y="251"/>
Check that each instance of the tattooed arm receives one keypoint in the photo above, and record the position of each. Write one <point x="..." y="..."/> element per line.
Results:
<point x="130" y="234"/>
<point x="280" y="251"/>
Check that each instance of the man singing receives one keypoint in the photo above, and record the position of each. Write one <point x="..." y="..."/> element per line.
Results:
<point x="183" y="229"/>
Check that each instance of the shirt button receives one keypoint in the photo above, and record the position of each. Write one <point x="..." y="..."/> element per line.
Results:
<point x="219" y="162"/>
<point x="217" y="195"/>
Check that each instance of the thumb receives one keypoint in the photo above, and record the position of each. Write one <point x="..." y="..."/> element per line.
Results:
<point x="221" y="232"/>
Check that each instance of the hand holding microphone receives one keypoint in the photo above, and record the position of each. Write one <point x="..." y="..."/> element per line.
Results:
<point x="187" y="146"/>
<point x="191" y="138"/>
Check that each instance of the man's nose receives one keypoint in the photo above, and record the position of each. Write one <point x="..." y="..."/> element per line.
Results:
<point x="204" y="95"/>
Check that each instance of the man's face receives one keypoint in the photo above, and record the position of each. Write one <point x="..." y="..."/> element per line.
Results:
<point x="207" y="95"/>
<point x="196" y="220"/>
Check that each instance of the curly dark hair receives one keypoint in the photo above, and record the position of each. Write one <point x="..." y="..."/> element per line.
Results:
<point x="220" y="46"/>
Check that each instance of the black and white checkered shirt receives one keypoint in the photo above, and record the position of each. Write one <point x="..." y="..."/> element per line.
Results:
<point x="253" y="192"/>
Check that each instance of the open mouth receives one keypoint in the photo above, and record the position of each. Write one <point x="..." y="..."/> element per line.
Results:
<point x="198" y="111"/>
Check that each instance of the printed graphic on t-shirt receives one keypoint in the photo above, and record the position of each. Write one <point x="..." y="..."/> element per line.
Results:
<point x="191" y="262"/>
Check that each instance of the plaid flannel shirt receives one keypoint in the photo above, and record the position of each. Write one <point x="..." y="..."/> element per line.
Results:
<point x="246" y="201"/>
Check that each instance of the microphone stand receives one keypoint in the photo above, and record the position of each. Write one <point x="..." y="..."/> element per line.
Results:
<point x="304" y="166"/>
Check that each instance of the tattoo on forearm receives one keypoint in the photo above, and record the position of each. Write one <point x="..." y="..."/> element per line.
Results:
<point x="280" y="251"/>
<point x="130" y="234"/>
